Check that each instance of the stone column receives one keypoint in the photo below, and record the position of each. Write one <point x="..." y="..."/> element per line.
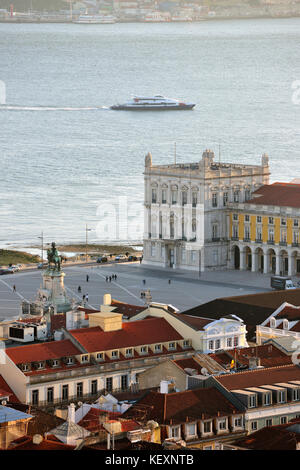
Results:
<point x="277" y="271"/>
<point x="266" y="263"/>
<point x="291" y="270"/>
<point x="242" y="259"/>
<point x="254" y="266"/>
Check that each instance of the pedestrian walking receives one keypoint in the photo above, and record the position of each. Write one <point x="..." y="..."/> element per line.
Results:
<point x="169" y="281"/>
<point x="106" y="279"/>
<point x="87" y="297"/>
<point x="87" y="278"/>
<point x="144" y="281"/>
<point x="83" y="297"/>
<point x="14" y="288"/>
<point x="109" y="278"/>
<point x="115" y="277"/>
<point x="79" y="289"/>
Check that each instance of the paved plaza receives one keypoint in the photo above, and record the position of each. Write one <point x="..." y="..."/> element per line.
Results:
<point x="186" y="289"/>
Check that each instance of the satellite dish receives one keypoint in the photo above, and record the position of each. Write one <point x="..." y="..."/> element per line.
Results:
<point x="204" y="371"/>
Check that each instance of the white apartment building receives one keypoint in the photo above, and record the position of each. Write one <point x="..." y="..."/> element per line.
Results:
<point x="186" y="222"/>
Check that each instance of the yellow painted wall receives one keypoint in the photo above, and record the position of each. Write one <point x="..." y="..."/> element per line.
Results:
<point x="253" y="227"/>
<point x="241" y="226"/>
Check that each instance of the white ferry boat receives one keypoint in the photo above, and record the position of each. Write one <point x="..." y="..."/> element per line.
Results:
<point x="157" y="17"/>
<point x="96" y="19"/>
<point x="155" y="103"/>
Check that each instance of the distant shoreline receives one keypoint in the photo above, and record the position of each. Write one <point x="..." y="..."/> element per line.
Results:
<point x="215" y="18"/>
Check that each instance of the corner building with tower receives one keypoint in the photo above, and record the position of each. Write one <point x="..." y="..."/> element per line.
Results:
<point x="216" y="216"/>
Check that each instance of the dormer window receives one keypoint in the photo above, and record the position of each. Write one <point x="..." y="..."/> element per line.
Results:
<point x="25" y="367"/>
<point x="115" y="354"/>
<point x="267" y="399"/>
<point x="99" y="356"/>
<point x="273" y="322"/>
<point x="70" y="361"/>
<point x="296" y="394"/>
<point x="281" y="396"/>
<point x="190" y="430"/>
<point x="222" y="424"/>
<point x="129" y="352"/>
<point x="207" y="426"/>
<point x="175" y="432"/>
<point x="285" y="324"/>
<point x="40" y="365"/>
<point x="157" y="348"/>
<point x="238" y="422"/>
<point x="144" y="350"/>
<point x="85" y="358"/>
<point x="186" y="343"/>
<point x="172" y="346"/>
<point x="55" y="363"/>
<point x="252" y="401"/>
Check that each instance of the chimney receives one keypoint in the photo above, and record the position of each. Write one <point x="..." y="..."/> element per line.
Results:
<point x="37" y="439"/>
<point x="71" y="412"/>
<point x="107" y="299"/>
<point x="164" y="386"/>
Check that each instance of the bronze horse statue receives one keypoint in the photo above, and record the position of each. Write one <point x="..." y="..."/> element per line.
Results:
<point x="53" y="257"/>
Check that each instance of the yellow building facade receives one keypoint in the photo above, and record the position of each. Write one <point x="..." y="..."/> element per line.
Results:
<point x="264" y="236"/>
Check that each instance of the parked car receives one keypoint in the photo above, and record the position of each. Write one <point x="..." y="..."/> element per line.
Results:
<point x="282" y="283"/>
<point x="121" y="258"/>
<point x="132" y="258"/>
<point x="5" y="271"/>
<point x="102" y="259"/>
<point x="14" y="268"/>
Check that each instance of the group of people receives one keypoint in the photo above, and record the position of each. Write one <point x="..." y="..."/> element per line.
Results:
<point x="85" y="297"/>
<point x="113" y="277"/>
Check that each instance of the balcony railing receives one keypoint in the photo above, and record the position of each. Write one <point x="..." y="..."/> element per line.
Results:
<point x="99" y="368"/>
<point x="86" y="398"/>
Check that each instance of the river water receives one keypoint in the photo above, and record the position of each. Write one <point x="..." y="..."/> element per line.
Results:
<point x="67" y="160"/>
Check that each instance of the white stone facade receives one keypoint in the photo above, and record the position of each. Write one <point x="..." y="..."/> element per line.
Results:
<point x="186" y="222"/>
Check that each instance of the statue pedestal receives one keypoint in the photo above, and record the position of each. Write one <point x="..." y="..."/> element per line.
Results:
<point x="53" y="290"/>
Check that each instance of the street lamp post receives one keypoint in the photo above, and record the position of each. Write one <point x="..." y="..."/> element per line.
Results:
<point x="42" y="245"/>
<point x="86" y="240"/>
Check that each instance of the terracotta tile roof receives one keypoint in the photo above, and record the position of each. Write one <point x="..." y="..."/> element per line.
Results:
<point x="127" y="310"/>
<point x="30" y="320"/>
<point x="132" y="334"/>
<point x="281" y="437"/>
<point x="6" y="390"/>
<point x="189" y="363"/>
<point x="259" y="377"/>
<point x="277" y="194"/>
<point x="166" y="408"/>
<point x="92" y="421"/>
<point x="26" y="443"/>
<point x="42" y="351"/>
<point x="268" y="354"/>
<point x="290" y="312"/>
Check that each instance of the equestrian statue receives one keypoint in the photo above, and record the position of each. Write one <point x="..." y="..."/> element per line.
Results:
<point x="53" y="257"/>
